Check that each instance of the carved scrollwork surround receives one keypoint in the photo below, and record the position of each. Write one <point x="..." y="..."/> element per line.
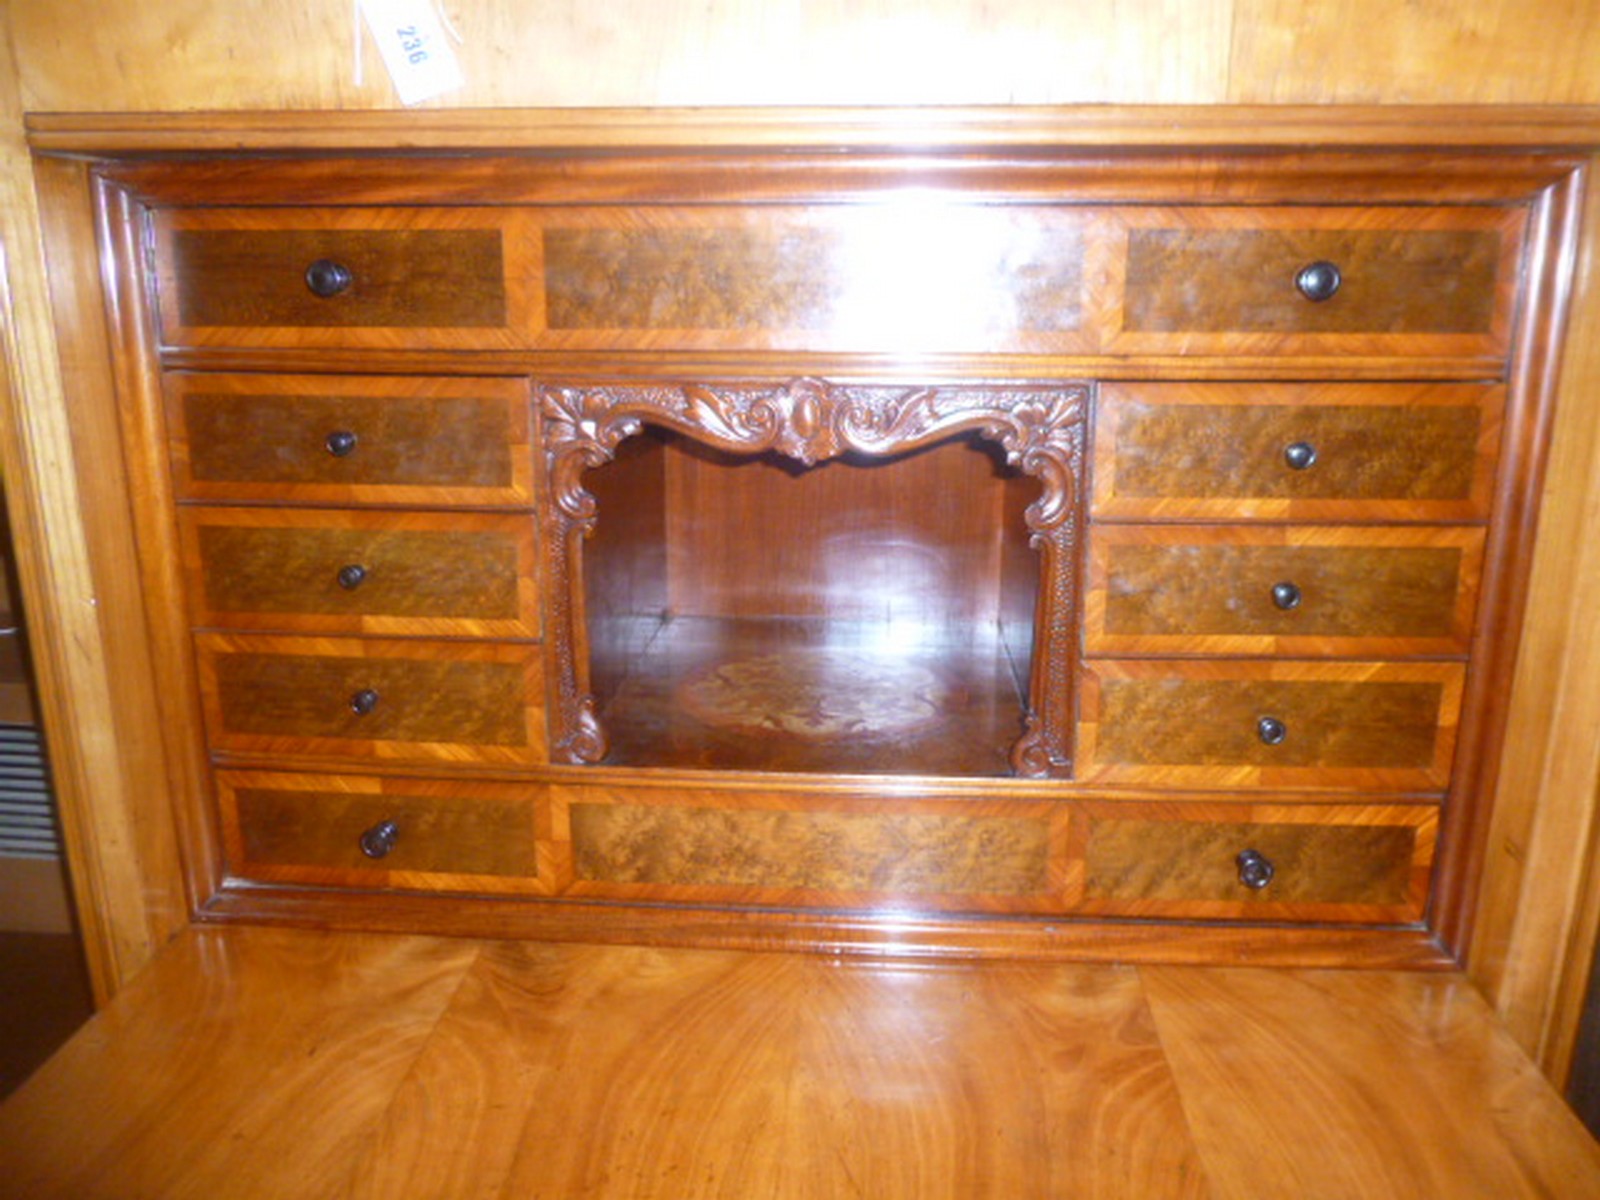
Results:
<point x="1040" y="428"/>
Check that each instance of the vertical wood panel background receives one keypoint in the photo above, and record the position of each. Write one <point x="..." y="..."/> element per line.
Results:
<point x="131" y="55"/>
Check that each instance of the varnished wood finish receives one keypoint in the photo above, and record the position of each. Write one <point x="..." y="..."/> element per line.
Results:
<point x="1210" y="590"/>
<point x="451" y="836"/>
<point x="434" y="441"/>
<point x="1374" y="725"/>
<point x="371" y="1066"/>
<point x="1330" y="863"/>
<point x="437" y="701"/>
<point x="1383" y="451"/>
<point x="421" y="573"/>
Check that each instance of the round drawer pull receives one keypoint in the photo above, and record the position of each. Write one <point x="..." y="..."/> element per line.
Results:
<point x="1318" y="281"/>
<point x="327" y="278"/>
<point x="1255" y="869"/>
<point x="341" y="443"/>
<point x="1271" y="731"/>
<point x="363" y="702"/>
<point x="380" y="839"/>
<point x="1286" y="595"/>
<point x="352" y="576"/>
<point x="1299" y="455"/>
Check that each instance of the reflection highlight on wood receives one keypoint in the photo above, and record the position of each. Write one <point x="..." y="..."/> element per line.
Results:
<point x="260" y="1062"/>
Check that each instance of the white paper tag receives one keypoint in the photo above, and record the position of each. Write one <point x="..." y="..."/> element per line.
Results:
<point x="411" y="39"/>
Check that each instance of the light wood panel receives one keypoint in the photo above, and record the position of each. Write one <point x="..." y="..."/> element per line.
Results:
<point x="258" y="1062"/>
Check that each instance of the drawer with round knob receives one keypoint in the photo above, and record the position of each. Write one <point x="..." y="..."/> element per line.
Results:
<point x="338" y="571"/>
<point x="420" y="278"/>
<point x="1357" y="863"/>
<point x="1296" y="451"/>
<point x="350" y="439"/>
<point x="381" y="699"/>
<point x="1269" y="723"/>
<point x="1274" y="589"/>
<point x="1371" y="281"/>
<point x="363" y="831"/>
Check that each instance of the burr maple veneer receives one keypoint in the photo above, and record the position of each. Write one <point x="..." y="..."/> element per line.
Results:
<point x="980" y="552"/>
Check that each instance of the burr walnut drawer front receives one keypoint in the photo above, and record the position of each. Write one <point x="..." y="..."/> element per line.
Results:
<point x="1301" y="451"/>
<point x="1274" y="589"/>
<point x="331" y="571"/>
<point x="337" y="439"/>
<point x="1269" y="723"/>
<point x="1341" y="280"/>
<point x="1269" y="861"/>
<point x="386" y="278"/>
<point x="416" y="701"/>
<point x="356" y="831"/>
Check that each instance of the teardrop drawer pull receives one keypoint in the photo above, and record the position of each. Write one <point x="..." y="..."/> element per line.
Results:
<point x="341" y="443"/>
<point x="363" y="702"/>
<point x="380" y="839"/>
<point x="1299" y="455"/>
<point x="1255" y="869"/>
<point x="1286" y="595"/>
<point x="1318" y="281"/>
<point x="327" y="278"/>
<point x="1271" y="730"/>
<point x="352" y="576"/>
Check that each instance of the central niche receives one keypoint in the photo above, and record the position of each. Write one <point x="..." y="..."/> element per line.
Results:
<point x="813" y="578"/>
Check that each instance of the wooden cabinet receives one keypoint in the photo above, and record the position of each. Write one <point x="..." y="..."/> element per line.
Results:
<point x="809" y="548"/>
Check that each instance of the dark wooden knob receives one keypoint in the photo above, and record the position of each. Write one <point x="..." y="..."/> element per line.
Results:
<point x="363" y="702"/>
<point x="1299" y="455"/>
<point x="1318" y="281"/>
<point x="1271" y="730"/>
<point x="1286" y="595"/>
<point x="1255" y="869"/>
<point x="352" y="576"/>
<point x="341" y="443"/>
<point x="380" y="839"/>
<point x="327" y="278"/>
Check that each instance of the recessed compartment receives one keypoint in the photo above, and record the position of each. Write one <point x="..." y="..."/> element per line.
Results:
<point x="863" y="600"/>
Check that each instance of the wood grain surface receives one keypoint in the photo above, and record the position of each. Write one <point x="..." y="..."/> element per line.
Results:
<point x="259" y="1062"/>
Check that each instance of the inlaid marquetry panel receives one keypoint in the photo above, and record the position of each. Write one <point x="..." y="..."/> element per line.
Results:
<point x="396" y="700"/>
<point x="705" y="844"/>
<point x="1242" y="589"/>
<point x="1269" y="723"/>
<point x="330" y="571"/>
<point x="412" y="277"/>
<point x="1412" y="280"/>
<point x="447" y="834"/>
<point x="1378" y="451"/>
<point x="411" y="440"/>
<point x="1330" y="863"/>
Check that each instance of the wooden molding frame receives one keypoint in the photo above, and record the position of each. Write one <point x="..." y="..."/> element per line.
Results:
<point x="1536" y="922"/>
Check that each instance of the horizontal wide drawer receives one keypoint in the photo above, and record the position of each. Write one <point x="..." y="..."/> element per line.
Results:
<point x="391" y="700"/>
<point x="1269" y="723"/>
<point x="1269" y="589"/>
<point x="463" y="574"/>
<point x="1332" y="451"/>
<point x="1262" y="861"/>
<point x="350" y="439"/>
<point x="1026" y="278"/>
<point x="359" y="831"/>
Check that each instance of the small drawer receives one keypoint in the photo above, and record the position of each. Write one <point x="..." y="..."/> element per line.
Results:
<point x="1263" y="862"/>
<point x="350" y="439"/>
<point x="1332" y="451"/>
<point x="402" y="701"/>
<point x="1405" y="281"/>
<point x="1269" y="723"/>
<point x="355" y="831"/>
<point x="413" y="278"/>
<point x="317" y="571"/>
<point x="1273" y="589"/>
